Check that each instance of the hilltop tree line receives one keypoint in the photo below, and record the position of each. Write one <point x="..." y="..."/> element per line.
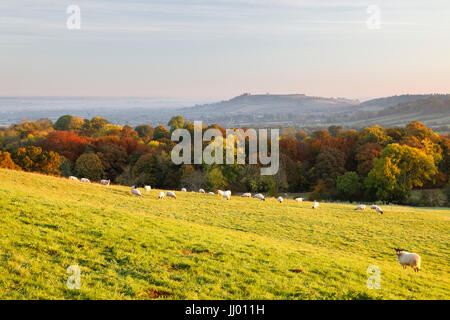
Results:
<point x="373" y="164"/>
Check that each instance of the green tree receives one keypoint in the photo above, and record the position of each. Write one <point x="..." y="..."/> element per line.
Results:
<point x="349" y="186"/>
<point x="176" y="122"/>
<point x="89" y="165"/>
<point x="69" y="123"/>
<point x="398" y="170"/>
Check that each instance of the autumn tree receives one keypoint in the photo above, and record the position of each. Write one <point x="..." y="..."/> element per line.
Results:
<point x="69" y="123"/>
<point x="398" y="170"/>
<point x="34" y="159"/>
<point x="6" y="161"/>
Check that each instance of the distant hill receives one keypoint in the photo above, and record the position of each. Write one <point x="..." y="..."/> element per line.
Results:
<point x="267" y="103"/>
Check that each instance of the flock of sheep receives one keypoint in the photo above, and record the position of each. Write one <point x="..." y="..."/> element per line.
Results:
<point x="404" y="258"/>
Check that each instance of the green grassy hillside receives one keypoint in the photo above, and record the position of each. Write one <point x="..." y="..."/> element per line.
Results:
<point x="202" y="247"/>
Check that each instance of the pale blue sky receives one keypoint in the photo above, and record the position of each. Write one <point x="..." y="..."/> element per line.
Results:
<point x="222" y="48"/>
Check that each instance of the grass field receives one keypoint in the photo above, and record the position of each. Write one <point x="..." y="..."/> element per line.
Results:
<point x="203" y="247"/>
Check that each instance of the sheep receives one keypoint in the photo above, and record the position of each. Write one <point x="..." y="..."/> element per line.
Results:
<point x="408" y="259"/>
<point x="259" y="196"/>
<point x="299" y="200"/>
<point x="201" y="191"/>
<point x="171" y="194"/>
<point x="105" y="182"/>
<point x="280" y="199"/>
<point x="315" y="204"/>
<point x="361" y="207"/>
<point x="211" y="193"/>
<point x="227" y="195"/>
<point x="147" y="188"/>
<point x="135" y="191"/>
<point x="183" y="190"/>
<point x="377" y="209"/>
<point x="161" y="195"/>
<point x="84" y="180"/>
<point x="219" y="193"/>
<point x="246" y="195"/>
<point x="73" y="178"/>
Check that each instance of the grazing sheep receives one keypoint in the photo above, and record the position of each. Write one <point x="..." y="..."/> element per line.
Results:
<point x="201" y="191"/>
<point x="171" y="194"/>
<point x="84" y="180"/>
<point x="247" y="195"/>
<point x="377" y="209"/>
<point x="280" y="199"/>
<point x="259" y="196"/>
<point x="212" y="193"/>
<point x="147" y="188"/>
<point x="183" y="190"/>
<point x="227" y="195"/>
<point x="315" y="204"/>
<point x="361" y="207"/>
<point x="135" y="191"/>
<point x="161" y="195"/>
<point x="299" y="200"/>
<point x="73" y="178"/>
<point x="105" y="182"/>
<point x="408" y="259"/>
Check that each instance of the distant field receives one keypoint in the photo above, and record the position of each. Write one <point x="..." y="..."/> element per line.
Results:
<point x="203" y="247"/>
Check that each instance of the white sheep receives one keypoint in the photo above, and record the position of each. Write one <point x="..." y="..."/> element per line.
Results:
<point x="105" y="182"/>
<point x="219" y="193"/>
<point x="161" y="195"/>
<point x="135" y="191"/>
<point x="84" y="180"/>
<point x="247" y="195"/>
<point x="171" y="194"/>
<point x="201" y="191"/>
<point x="73" y="178"/>
<point x="183" y="190"/>
<point x="147" y="188"/>
<point x="299" y="200"/>
<point x="377" y="209"/>
<point x="361" y="207"/>
<point x="408" y="259"/>
<point x="315" y="204"/>
<point x="211" y="193"/>
<point x="259" y="196"/>
<point x="280" y="199"/>
<point x="227" y="195"/>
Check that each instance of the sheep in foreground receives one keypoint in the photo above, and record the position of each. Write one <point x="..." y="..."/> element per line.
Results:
<point x="259" y="196"/>
<point x="183" y="190"/>
<point x="135" y="191"/>
<point x="280" y="199"/>
<point x="408" y="259"/>
<point x="147" y="188"/>
<point x="246" y="195"/>
<point x="161" y="195"/>
<point x="227" y="195"/>
<point x="315" y="204"/>
<point x="299" y="200"/>
<point x="84" y="180"/>
<point x="171" y="194"/>
<point x="73" y="178"/>
<point x="201" y="191"/>
<point x="361" y="207"/>
<point x="105" y="182"/>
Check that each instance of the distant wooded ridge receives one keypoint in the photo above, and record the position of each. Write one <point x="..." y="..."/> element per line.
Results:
<point x="280" y="110"/>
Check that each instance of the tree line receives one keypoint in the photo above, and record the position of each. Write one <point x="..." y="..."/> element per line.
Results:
<point x="372" y="164"/>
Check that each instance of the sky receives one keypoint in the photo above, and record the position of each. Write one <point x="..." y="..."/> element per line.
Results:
<point x="218" y="49"/>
